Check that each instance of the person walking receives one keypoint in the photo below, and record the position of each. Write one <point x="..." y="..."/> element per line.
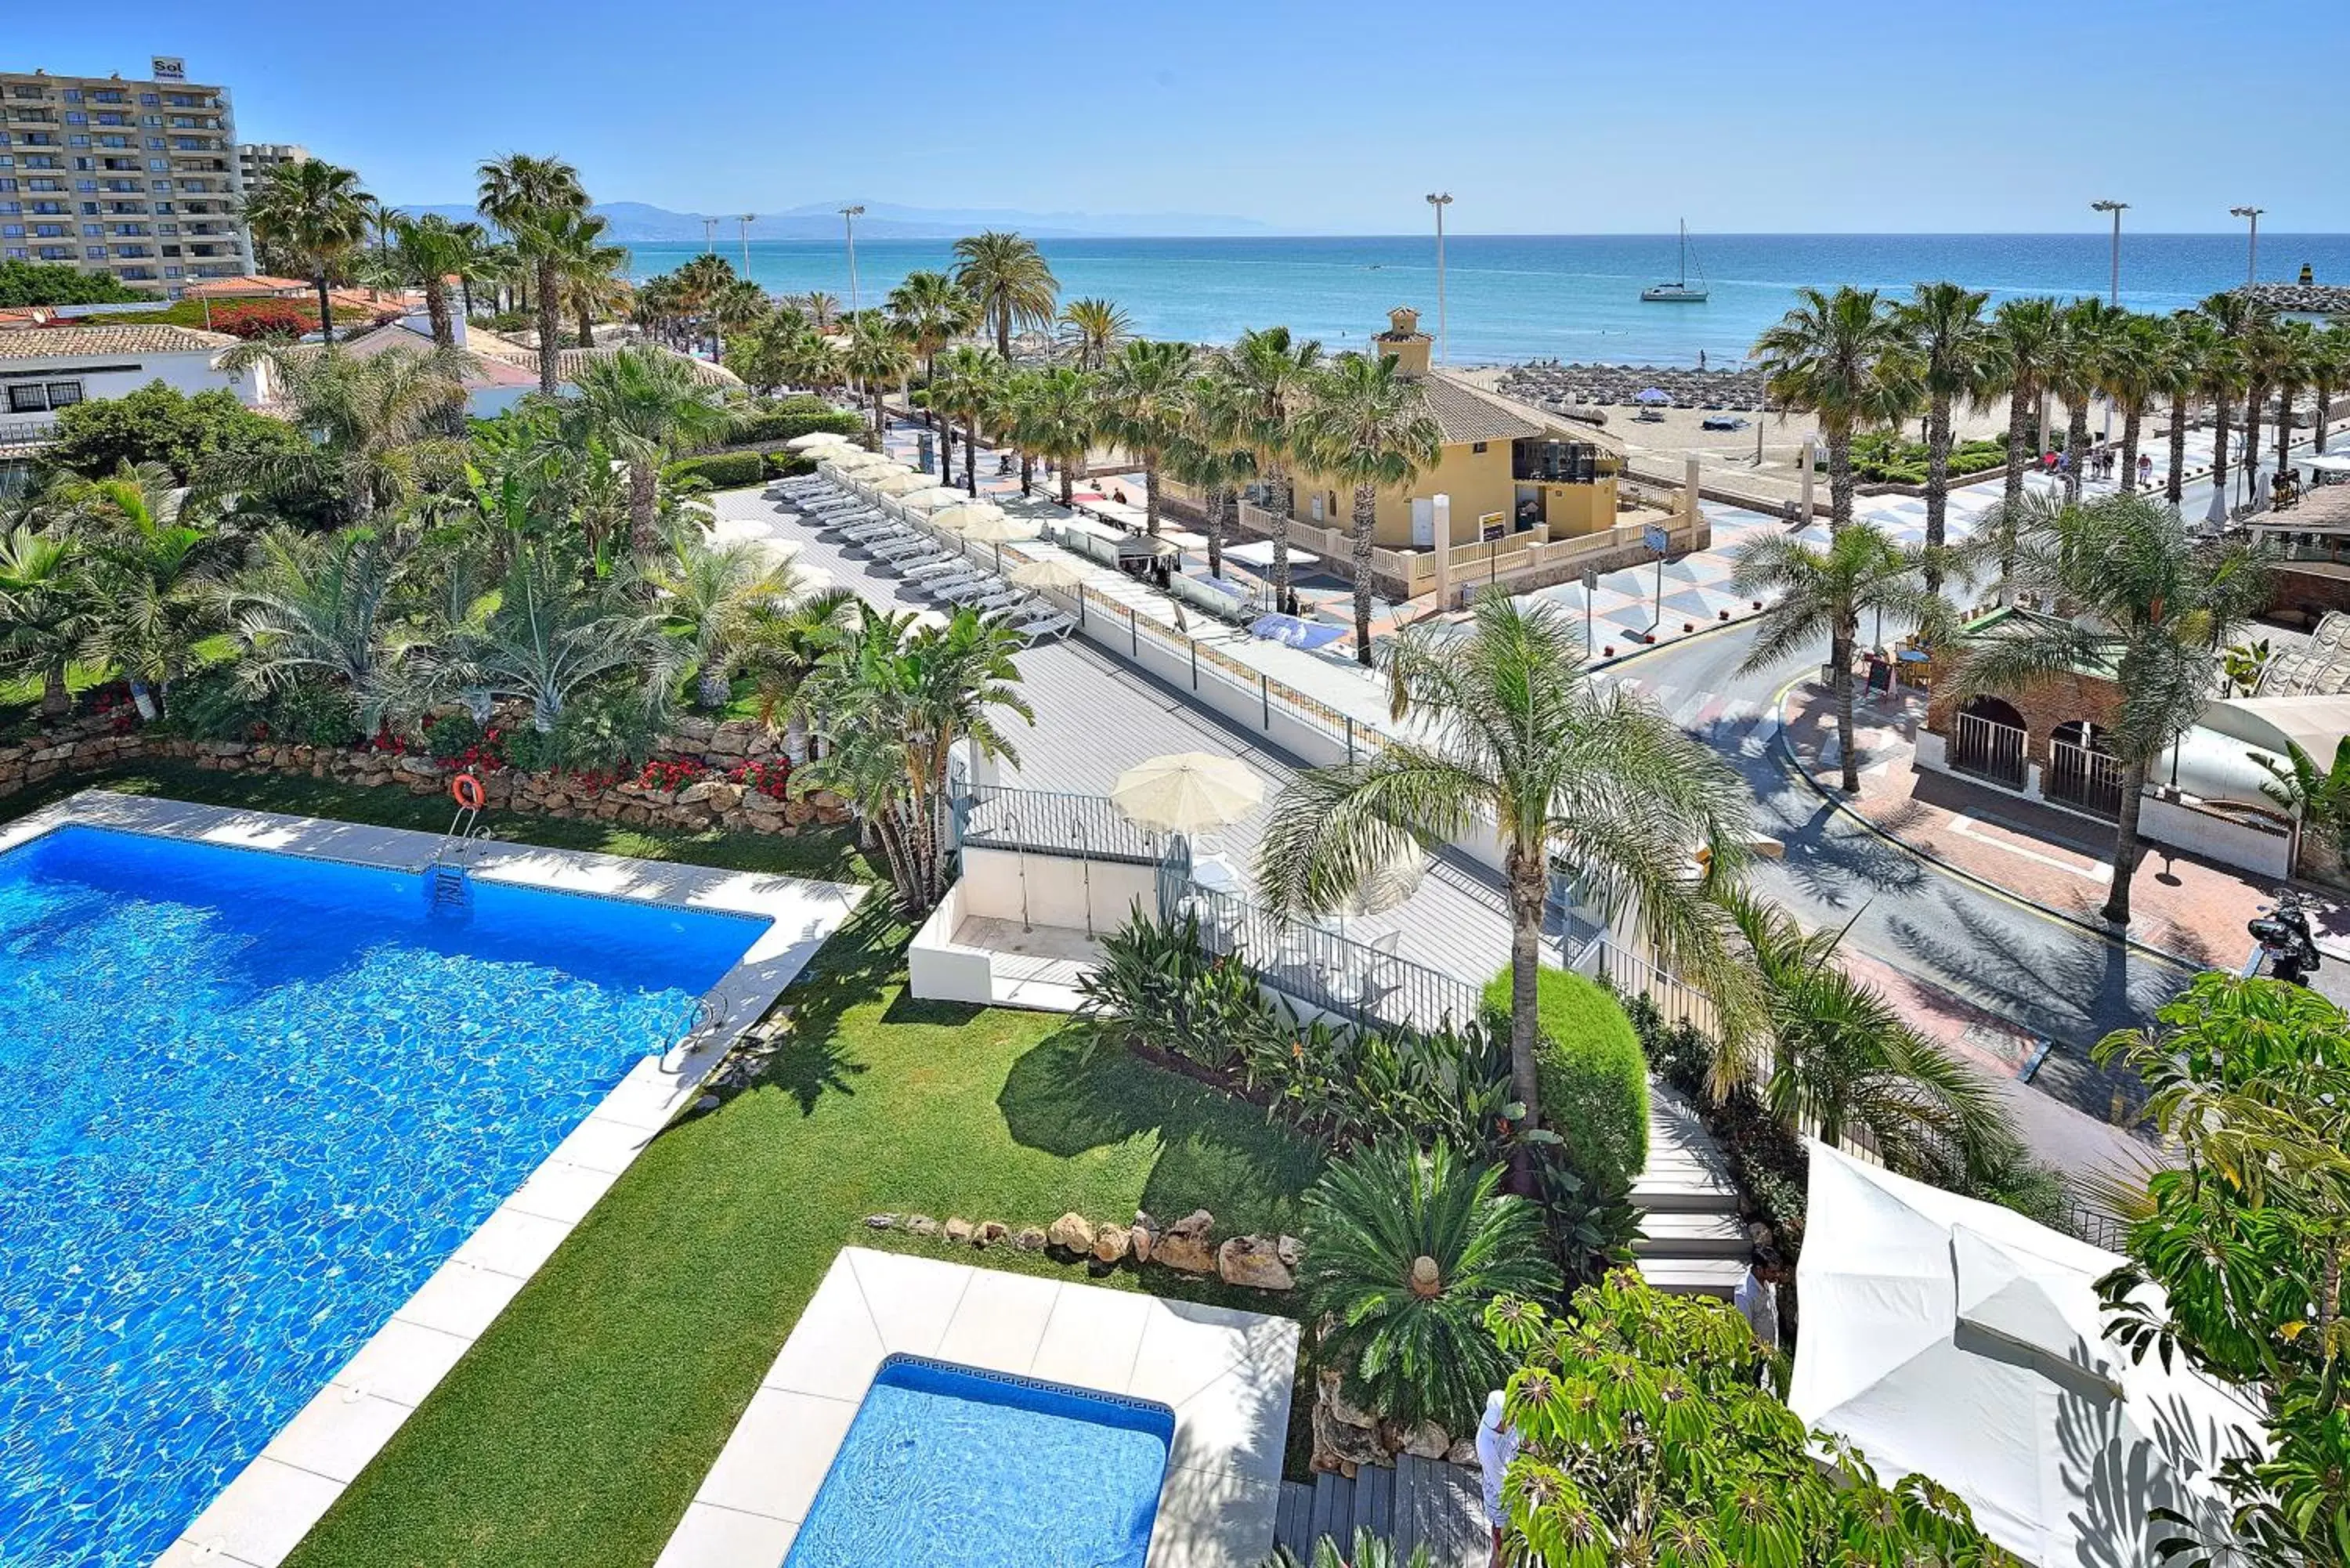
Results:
<point x="2144" y="471"/>
<point x="1497" y="1445"/>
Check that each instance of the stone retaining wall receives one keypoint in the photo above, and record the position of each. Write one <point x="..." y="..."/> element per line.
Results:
<point x="93" y="744"/>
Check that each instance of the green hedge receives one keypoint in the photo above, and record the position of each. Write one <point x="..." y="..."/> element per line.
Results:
<point x="1595" y="1079"/>
<point x="788" y="419"/>
<point x="737" y="469"/>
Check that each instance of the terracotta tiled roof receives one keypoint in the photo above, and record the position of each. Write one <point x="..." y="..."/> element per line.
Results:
<point x="569" y="362"/>
<point x="81" y="342"/>
<point x="1465" y="414"/>
<point x="246" y="286"/>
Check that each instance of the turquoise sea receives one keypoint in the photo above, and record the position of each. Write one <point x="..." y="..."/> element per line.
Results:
<point x="1542" y="296"/>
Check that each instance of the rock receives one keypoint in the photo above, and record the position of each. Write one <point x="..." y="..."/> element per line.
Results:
<point x="1029" y="1239"/>
<point x="724" y="797"/>
<point x="1331" y="1395"/>
<point x="1191" y="1254"/>
<point x="989" y="1234"/>
<point x="959" y="1231"/>
<point x="1290" y="1251"/>
<point x="1139" y="1241"/>
<point x="1197" y="1223"/>
<point x="1463" y="1451"/>
<point x="1339" y="1442"/>
<point x="707" y="1103"/>
<point x="921" y="1225"/>
<point x="1072" y="1233"/>
<point x="881" y="1221"/>
<point x="1111" y="1243"/>
<point x="1427" y="1441"/>
<point x="1252" y="1260"/>
<point x="695" y="793"/>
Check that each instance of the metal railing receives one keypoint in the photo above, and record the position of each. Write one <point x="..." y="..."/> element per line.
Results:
<point x="2082" y="778"/>
<point x="1988" y="750"/>
<point x="1047" y="822"/>
<point x="1320" y="969"/>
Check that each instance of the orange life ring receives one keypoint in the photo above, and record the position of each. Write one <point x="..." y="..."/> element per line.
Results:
<point x="467" y="790"/>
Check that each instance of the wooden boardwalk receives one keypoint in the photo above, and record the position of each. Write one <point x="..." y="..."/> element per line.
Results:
<point x="1419" y="1502"/>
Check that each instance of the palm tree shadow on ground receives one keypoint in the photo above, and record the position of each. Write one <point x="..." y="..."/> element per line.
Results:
<point x="863" y="958"/>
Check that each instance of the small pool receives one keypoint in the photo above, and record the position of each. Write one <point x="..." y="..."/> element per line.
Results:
<point x="945" y="1467"/>
<point x="249" y="1104"/>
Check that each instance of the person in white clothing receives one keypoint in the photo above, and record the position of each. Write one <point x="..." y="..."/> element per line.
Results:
<point x="1497" y="1445"/>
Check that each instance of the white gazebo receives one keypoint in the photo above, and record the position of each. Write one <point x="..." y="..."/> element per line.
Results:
<point x="1960" y="1340"/>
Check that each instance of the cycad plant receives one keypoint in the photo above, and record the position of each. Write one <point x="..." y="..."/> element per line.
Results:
<point x="155" y="576"/>
<point x="1404" y="1251"/>
<point x="710" y="598"/>
<point x="47" y="610"/>
<point x="1824" y="590"/>
<point x="1367" y="1551"/>
<point x="553" y="633"/>
<point x="2149" y="608"/>
<point x="321" y="604"/>
<point x="1369" y="429"/>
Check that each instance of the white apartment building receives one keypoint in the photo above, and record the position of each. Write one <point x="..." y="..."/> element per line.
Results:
<point x="135" y="179"/>
<point x="255" y="159"/>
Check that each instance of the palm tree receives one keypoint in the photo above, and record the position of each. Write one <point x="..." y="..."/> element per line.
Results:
<point x="739" y="307"/>
<point x="377" y="426"/>
<point x="1370" y="428"/>
<point x="781" y="647"/>
<point x="935" y="310"/>
<point x="1827" y="589"/>
<point x="519" y="193"/>
<point x="2223" y="376"/>
<point x="2329" y="372"/>
<point x="1060" y="412"/>
<point x="1143" y="400"/>
<point x="321" y="604"/>
<point x="1093" y="327"/>
<point x="2265" y="353"/>
<point x="426" y="252"/>
<point x="590" y="275"/>
<point x="1944" y="325"/>
<point x="1843" y="1064"/>
<point x="1404" y="1251"/>
<point x="1839" y="356"/>
<point x="47" y="610"/>
<point x="555" y="632"/>
<point x="1271" y="379"/>
<point x="1209" y="457"/>
<point x="2076" y="363"/>
<point x="2133" y="372"/>
<point x="1009" y="279"/>
<point x="2296" y="358"/>
<point x="1508" y="733"/>
<point x="314" y="213"/>
<point x="2192" y="340"/>
<point x="2149" y="608"/>
<point x="891" y="703"/>
<point x="154" y="574"/>
<point x="710" y="599"/>
<point x="823" y="310"/>
<point x="878" y="354"/>
<point x="964" y="388"/>
<point x="644" y="406"/>
<point x="2022" y="340"/>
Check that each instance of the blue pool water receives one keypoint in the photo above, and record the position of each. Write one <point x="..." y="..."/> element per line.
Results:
<point x="249" y="1104"/>
<point x="948" y="1468"/>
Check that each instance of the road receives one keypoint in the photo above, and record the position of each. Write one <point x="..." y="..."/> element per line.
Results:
<point x="2047" y="977"/>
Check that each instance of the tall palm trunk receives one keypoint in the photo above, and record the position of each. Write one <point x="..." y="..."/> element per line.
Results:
<point x="971" y="454"/>
<point x="1527" y="869"/>
<point x="2133" y="413"/>
<point x="1069" y="481"/>
<point x="1284" y="496"/>
<point x="55" y="698"/>
<point x="1938" y="486"/>
<point x="644" y="483"/>
<point x="1149" y="494"/>
<point x="2076" y="447"/>
<point x="2324" y="390"/>
<point x="2175" y="488"/>
<point x="2117" y="902"/>
<point x="586" y="326"/>
<point x="550" y="326"/>
<point x="1002" y="314"/>
<point x="1367" y="512"/>
<point x="946" y="449"/>
<point x="436" y="306"/>
<point x="1028" y="472"/>
<point x="465" y="294"/>
<point x="2018" y="410"/>
<point x="1840" y="646"/>
<point x="326" y="309"/>
<point x="880" y="416"/>
<point x="2285" y="395"/>
<point x="2220" y="449"/>
<point x="1840" y="478"/>
<point x="2254" y="396"/>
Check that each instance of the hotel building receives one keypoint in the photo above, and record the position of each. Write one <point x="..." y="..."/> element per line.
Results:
<point x="137" y="180"/>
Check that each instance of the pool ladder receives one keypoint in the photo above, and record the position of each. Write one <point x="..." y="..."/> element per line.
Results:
<point x="451" y="890"/>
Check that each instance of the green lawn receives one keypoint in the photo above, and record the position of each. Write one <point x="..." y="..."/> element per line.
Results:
<point x="574" y="1434"/>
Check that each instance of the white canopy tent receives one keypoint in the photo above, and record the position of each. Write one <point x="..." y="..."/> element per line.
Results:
<point x="1960" y="1340"/>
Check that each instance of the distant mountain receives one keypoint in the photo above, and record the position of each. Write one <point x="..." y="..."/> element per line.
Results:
<point x="641" y="224"/>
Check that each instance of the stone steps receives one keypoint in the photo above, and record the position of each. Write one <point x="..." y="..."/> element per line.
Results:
<point x="1677" y="1233"/>
<point x="1691" y="1240"/>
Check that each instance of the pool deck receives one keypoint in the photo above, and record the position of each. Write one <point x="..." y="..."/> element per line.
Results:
<point x="261" y="1515"/>
<point x="1227" y="1376"/>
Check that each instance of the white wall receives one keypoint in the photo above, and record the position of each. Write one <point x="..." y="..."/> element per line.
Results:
<point x="938" y="970"/>
<point x="2216" y="837"/>
<point x="187" y="372"/>
<point x="1061" y="891"/>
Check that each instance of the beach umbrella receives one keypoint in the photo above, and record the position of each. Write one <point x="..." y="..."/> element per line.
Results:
<point x="857" y="459"/>
<point x="1652" y="395"/>
<point x="1187" y="791"/>
<point x="816" y="440"/>
<point x="999" y="529"/>
<point x="965" y="514"/>
<point x="933" y="497"/>
<point x="1401" y="868"/>
<point x="904" y="482"/>
<point x="1052" y="573"/>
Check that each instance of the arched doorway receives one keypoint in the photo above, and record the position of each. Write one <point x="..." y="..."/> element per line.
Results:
<point x="2080" y="772"/>
<point x="1987" y="740"/>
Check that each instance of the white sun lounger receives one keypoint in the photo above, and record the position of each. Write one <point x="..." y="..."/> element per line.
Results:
<point x="945" y="567"/>
<point x="1051" y="625"/>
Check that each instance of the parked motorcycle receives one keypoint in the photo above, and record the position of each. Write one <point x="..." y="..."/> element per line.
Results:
<point x="2287" y="948"/>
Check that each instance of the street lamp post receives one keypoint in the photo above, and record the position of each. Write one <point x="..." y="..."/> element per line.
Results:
<point x="1439" y="200"/>
<point x="2253" y="247"/>
<point x="2113" y="296"/>
<point x="709" y="235"/>
<point x="848" y="216"/>
<point x="748" y="219"/>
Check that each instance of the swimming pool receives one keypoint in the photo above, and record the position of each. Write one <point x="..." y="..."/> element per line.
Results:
<point x="944" y="1467"/>
<point x="249" y="1102"/>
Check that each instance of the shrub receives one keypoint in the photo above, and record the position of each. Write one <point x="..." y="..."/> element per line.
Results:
<point x="725" y="471"/>
<point x="451" y="735"/>
<point x="530" y="751"/>
<point x="24" y="282"/>
<point x="1595" y="1080"/>
<point x="157" y="423"/>
<point x="787" y="418"/>
<point x="313" y="713"/>
<point x="210" y="705"/>
<point x="787" y="464"/>
<point x="266" y="318"/>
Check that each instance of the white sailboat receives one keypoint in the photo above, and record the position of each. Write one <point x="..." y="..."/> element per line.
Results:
<point x="1682" y="291"/>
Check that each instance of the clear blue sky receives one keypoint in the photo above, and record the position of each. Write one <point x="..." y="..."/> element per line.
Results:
<point x="1860" y="116"/>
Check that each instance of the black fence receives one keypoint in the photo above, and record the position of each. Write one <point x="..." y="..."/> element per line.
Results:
<point x="1046" y="822"/>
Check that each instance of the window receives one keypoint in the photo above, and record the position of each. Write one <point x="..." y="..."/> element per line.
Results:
<point x="63" y="394"/>
<point x="76" y="117"/>
<point x="150" y="99"/>
<point x="29" y="399"/>
<point x="175" y="272"/>
<point x="94" y="253"/>
<point x="73" y="95"/>
<point x="1477" y="446"/>
<point x="7" y="187"/>
<point x="159" y="166"/>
